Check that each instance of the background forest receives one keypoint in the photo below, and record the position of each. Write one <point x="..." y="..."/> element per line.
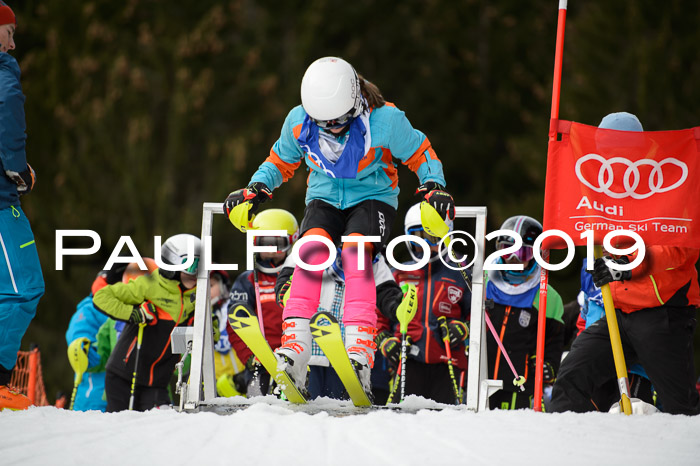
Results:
<point x="140" y="110"/>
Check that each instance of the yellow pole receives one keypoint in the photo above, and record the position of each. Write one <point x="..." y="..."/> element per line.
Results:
<point x="618" y="355"/>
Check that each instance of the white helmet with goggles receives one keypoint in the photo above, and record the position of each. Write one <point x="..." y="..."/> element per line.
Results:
<point x="177" y="250"/>
<point x="330" y="92"/>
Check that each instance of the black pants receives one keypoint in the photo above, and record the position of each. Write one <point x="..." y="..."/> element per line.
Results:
<point x="660" y="339"/>
<point x="368" y="218"/>
<point x="430" y="381"/>
<point x="118" y="391"/>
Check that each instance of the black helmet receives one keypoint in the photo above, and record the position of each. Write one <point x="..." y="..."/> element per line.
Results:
<point x="528" y="228"/>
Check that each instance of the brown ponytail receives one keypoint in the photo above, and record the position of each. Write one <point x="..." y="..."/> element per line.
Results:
<point x="371" y="92"/>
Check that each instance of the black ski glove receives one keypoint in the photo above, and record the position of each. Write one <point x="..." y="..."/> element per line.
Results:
<point x="283" y="291"/>
<point x="215" y="325"/>
<point x="251" y="363"/>
<point x="458" y="332"/>
<point x="256" y="193"/>
<point x="114" y="275"/>
<point x="437" y="197"/>
<point x="548" y="374"/>
<point x="390" y="347"/>
<point x="24" y="180"/>
<point x="602" y="274"/>
<point x="145" y="313"/>
<point x="240" y="381"/>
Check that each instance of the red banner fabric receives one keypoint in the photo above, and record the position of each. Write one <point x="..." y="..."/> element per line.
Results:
<point x="605" y="180"/>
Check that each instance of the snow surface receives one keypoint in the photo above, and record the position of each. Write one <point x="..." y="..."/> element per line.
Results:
<point x="272" y="432"/>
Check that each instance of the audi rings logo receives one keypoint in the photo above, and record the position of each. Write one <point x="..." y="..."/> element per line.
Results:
<point x="631" y="180"/>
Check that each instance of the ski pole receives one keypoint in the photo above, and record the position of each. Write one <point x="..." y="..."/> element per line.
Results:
<point x="77" y="356"/>
<point x="436" y="226"/>
<point x="78" y="378"/>
<point x="442" y="320"/>
<point x="405" y="313"/>
<point x="519" y="380"/>
<point x="258" y="304"/>
<point x="394" y="384"/>
<point x="139" y="339"/>
<point x="616" y="343"/>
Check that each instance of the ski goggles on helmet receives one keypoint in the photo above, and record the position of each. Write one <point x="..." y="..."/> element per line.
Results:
<point x="420" y="232"/>
<point x="282" y="243"/>
<point x="192" y="269"/>
<point x="336" y="122"/>
<point x="524" y="254"/>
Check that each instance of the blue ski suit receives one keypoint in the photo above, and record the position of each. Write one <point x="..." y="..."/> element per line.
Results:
<point x="86" y="322"/>
<point x="21" y="280"/>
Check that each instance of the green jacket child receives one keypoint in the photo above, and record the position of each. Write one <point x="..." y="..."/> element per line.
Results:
<point x="162" y="301"/>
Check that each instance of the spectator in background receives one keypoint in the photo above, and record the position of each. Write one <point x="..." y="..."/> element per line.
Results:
<point x="440" y="291"/>
<point x="156" y="303"/>
<point x="513" y="306"/>
<point x="82" y="332"/>
<point x="592" y="310"/>
<point x="267" y="267"/>
<point x="655" y="305"/>
<point x="21" y="279"/>
<point x="226" y="362"/>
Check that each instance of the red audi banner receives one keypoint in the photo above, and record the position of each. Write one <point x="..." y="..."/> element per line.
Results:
<point x="605" y="180"/>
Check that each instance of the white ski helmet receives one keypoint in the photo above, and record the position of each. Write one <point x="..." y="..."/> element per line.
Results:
<point x="412" y="224"/>
<point x="176" y="251"/>
<point x="330" y="92"/>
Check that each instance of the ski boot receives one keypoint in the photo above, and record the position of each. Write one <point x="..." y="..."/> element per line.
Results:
<point x="13" y="400"/>
<point x="360" y="345"/>
<point x="294" y="354"/>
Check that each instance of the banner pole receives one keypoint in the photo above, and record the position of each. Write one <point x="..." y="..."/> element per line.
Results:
<point x="544" y="278"/>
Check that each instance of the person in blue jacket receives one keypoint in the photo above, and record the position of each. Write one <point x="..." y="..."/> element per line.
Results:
<point x="21" y="280"/>
<point x="84" y="325"/>
<point x="83" y="329"/>
<point x="348" y="135"/>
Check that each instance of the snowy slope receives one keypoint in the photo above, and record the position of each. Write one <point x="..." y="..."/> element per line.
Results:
<point x="271" y="434"/>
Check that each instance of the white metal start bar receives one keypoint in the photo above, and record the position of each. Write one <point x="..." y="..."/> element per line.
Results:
<point x="201" y="387"/>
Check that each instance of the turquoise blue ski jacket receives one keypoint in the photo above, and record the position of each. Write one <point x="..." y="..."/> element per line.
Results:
<point x="13" y="135"/>
<point x="392" y="136"/>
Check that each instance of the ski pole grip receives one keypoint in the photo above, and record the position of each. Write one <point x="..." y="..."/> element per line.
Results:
<point x="444" y="330"/>
<point x="407" y="308"/>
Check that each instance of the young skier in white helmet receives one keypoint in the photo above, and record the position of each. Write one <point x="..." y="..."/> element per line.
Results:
<point x="348" y="135"/>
